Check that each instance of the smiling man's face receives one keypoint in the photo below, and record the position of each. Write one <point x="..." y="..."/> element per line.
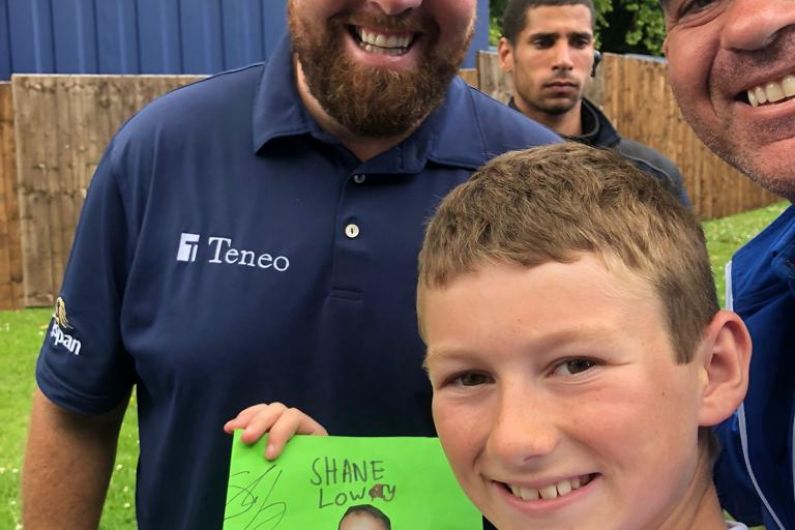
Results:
<point x="732" y="69"/>
<point x="379" y="67"/>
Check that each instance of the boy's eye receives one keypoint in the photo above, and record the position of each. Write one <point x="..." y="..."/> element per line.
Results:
<point x="574" y="366"/>
<point x="471" y="379"/>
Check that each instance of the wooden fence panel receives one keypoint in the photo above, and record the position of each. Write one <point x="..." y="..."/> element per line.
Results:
<point x="63" y="124"/>
<point x="470" y="75"/>
<point x="491" y="78"/>
<point x="635" y="95"/>
<point x="11" y="296"/>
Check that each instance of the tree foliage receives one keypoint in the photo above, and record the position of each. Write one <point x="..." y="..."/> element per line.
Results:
<point x="648" y="25"/>
<point x="629" y="26"/>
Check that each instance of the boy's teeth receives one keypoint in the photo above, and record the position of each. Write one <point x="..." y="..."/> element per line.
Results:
<point x="549" y="492"/>
<point x="772" y="92"/>
<point x="526" y="494"/>
<point x="564" y="488"/>
<point x="553" y="491"/>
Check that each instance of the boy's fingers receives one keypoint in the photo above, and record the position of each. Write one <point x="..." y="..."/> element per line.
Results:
<point x="242" y="420"/>
<point x="261" y="421"/>
<point x="290" y="423"/>
<point x="252" y="419"/>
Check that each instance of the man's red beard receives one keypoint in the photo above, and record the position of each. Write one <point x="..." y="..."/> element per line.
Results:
<point x="369" y="101"/>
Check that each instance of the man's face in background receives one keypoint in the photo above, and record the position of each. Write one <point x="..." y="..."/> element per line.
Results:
<point x="551" y="60"/>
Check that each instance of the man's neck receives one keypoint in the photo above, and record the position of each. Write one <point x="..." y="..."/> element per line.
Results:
<point x="363" y="147"/>
<point x="566" y="124"/>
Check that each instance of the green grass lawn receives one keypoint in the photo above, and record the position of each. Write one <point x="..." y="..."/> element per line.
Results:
<point x="21" y="333"/>
<point x="726" y="235"/>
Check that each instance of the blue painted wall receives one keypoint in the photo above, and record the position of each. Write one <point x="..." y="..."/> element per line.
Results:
<point x="147" y="36"/>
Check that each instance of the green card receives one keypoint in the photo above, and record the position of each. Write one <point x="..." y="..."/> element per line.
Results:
<point x="318" y="478"/>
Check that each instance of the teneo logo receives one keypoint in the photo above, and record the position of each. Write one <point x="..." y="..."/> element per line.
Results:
<point x="63" y="339"/>
<point x="222" y="251"/>
<point x="188" y="245"/>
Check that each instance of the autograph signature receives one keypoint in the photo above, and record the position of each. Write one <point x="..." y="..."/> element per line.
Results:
<point x="249" y="499"/>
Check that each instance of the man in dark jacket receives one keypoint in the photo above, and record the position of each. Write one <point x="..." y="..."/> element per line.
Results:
<point x="548" y="49"/>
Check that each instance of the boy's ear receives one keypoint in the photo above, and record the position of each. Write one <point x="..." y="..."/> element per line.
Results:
<point x="505" y="53"/>
<point x="726" y="354"/>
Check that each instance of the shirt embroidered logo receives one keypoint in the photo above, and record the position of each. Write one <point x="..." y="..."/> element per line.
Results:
<point x="67" y="341"/>
<point x="188" y="245"/>
<point x="59" y="315"/>
<point x="222" y="251"/>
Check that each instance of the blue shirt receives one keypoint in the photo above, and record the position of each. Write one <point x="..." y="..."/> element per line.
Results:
<point x="755" y="471"/>
<point x="231" y="252"/>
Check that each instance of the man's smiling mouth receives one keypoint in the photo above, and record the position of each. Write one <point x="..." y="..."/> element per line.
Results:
<point x="373" y="41"/>
<point x="773" y="92"/>
<point x="550" y="491"/>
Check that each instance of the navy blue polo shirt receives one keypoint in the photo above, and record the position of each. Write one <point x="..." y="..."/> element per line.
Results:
<point x="231" y="252"/>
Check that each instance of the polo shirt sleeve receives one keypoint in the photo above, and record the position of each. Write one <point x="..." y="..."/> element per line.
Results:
<point x="82" y="365"/>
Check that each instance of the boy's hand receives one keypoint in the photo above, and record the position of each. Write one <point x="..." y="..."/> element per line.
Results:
<point x="281" y="422"/>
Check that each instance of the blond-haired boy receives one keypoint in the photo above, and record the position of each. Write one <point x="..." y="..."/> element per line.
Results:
<point x="576" y="349"/>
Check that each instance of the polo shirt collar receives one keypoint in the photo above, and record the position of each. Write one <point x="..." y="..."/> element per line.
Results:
<point x="450" y="135"/>
<point x="278" y="110"/>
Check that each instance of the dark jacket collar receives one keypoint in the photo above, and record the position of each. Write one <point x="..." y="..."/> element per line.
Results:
<point x="597" y="129"/>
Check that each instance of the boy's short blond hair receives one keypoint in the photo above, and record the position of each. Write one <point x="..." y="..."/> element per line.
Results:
<point x="554" y="203"/>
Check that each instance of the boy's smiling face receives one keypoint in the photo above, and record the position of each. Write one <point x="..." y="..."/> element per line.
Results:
<point x="560" y="382"/>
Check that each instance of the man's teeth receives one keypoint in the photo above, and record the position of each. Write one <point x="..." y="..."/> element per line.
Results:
<point x="553" y="491"/>
<point x="373" y="42"/>
<point x="772" y="92"/>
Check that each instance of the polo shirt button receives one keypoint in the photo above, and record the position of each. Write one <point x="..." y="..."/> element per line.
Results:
<point x="359" y="179"/>
<point x="352" y="231"/>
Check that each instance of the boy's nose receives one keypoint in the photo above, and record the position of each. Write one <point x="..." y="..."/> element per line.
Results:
<point x="751" y="25"/>
<point x="523" y="431"/>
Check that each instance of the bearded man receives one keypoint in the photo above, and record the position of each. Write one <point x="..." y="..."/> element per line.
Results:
<point x="253" y="238"/>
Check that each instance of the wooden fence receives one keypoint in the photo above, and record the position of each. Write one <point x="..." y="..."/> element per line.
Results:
<point x="63" y="124"/>
<point x="53" y="135"/>
<point x="11" y="294"/>
<point x="635" y="95"/>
